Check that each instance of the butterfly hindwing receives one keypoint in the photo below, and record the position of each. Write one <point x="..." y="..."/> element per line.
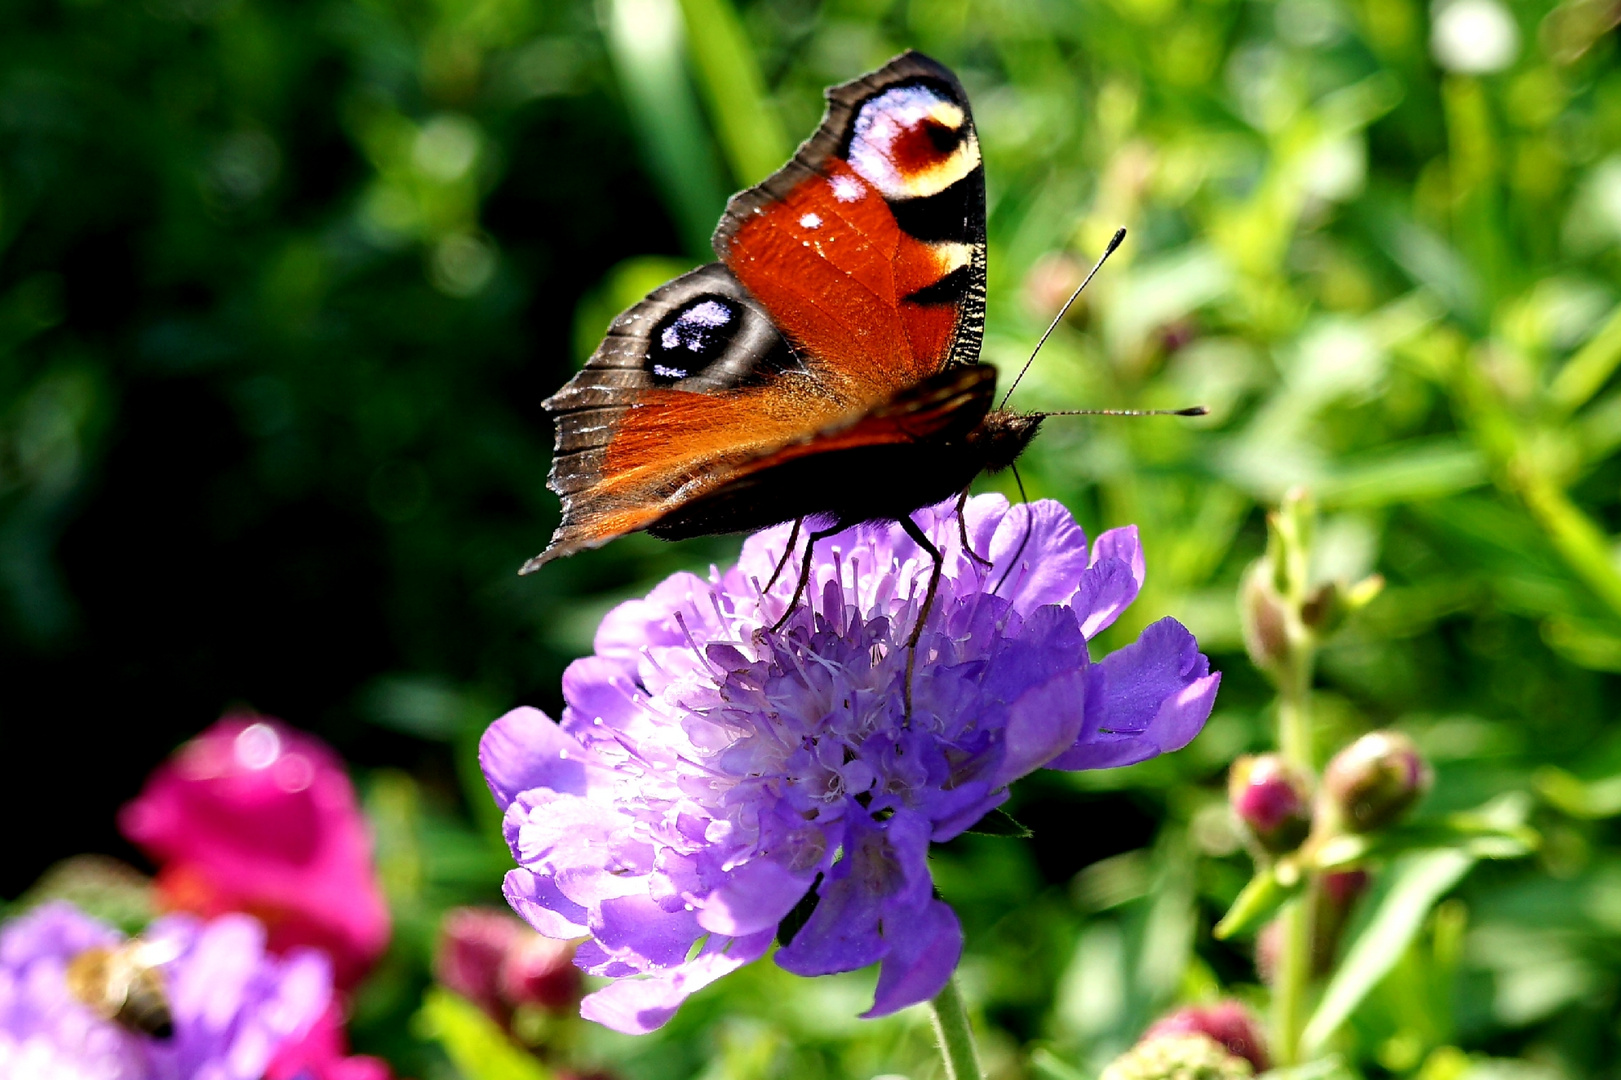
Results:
<point x="849" y="279"/>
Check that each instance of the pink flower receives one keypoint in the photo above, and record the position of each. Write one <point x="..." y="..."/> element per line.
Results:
<point x="254" y="816"/>
<point x="323" y="1054"/>
<point x="1227" y="1022"/>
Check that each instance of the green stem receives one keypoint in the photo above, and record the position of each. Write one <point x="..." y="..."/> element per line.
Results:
<point x="1291" y="991"/>
<point x="956" y="1035"/>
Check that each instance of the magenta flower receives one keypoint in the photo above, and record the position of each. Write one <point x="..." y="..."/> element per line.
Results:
<point x="322" y="1053"/>
<point x="715" y="785"/>
<point x="233" y="1005"/>
<point x="254" y="816"/>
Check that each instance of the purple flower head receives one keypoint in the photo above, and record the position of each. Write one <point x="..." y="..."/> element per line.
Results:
<point x="711" y="777"/>
<point x="233" y="1005"/>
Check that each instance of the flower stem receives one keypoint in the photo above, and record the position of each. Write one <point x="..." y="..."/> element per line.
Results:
<point x="955" y="1034"/>
<point x="1292" y="989"/>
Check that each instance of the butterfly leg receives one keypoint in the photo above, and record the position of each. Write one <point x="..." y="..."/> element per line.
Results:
<point x="1029" y="525"/>
<point x="787" y="553"/>
<point x="921" y="539"/>
<point x="962" y="531"/>
<point x="804" y="572"/>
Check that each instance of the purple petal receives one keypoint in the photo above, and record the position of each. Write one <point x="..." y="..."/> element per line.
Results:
<point x="1157" y="694"/>
<point x="1111" y="582"/>
<point x="956" y="811"/>
<point x="599" y="690"/>
<point x="538" y="902"/>
<point x="1042" y="724"/>
<point x="636" y="1006"/>
<point x="593" y="959"/>
<point x="755" y="896"/>
<point x="762" y="550"/>
<point x="54" y="928"/>
<point x="636" y="928"/>
<point x="1106" y="590"/>
<point x="1123" y="544"/>
<point x="524" y="749"/>
<point x="637" y="623"/>
<point x="923" y="952"/>
<point x="883" y="868"/>
<point x="1050" y="550"/>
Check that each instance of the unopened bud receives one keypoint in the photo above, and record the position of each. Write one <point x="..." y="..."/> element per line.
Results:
<point x="1265" y="618"/>
<point x="1227" y="1022"/>
<point x="1273" y="800"/>
<point x="540" y="971"/>
<point x="1341" y="888"/>
<point x="473" y="944"/>
<point x="1323" y="609"/>
<point x="1268" y="947"/>
<point x="1376" y="779"/>
<point x="499" y="963"/>
<point x="1177" y="1057"/>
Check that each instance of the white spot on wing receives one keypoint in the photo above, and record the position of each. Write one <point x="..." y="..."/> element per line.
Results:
<point x="810" y="221"/>
<point x="847" y="188"/>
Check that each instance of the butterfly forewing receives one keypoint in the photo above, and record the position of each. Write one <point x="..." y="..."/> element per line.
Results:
<point x="849" y="279"/>
<point x="868" y="248"/>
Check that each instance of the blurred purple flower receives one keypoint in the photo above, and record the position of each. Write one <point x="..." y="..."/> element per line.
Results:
<point x="254" y="816"/>
<point x="711" y="777"/>
<point x="233" y="1005"/>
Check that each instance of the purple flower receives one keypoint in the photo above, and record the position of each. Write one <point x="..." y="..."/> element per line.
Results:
<point x="233" y="1005"/>
<point x="711" y="777"/>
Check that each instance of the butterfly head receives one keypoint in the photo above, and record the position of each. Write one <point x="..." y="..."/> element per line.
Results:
<point x="1002" y="436"/>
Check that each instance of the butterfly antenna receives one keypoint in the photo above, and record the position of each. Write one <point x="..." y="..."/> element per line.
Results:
<point x="1192" y="410"/>
<point x="1114" y="243"/>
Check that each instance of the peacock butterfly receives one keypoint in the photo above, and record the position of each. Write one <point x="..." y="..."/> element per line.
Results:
<point x="827" y="367"/>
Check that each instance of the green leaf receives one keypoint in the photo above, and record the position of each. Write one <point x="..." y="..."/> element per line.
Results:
<point x="1046" y="1065"/>
<point x="750" y="131"/>
<point x="1258" y="902"/>
<point x="1332" y="1067"/>
<point x="1586" y="372"/>
<point x="1000" y="823"/>
<point x="1581" y="799"/>
<point x="475" y="1044"/>
<point x="644" y="40"/>
<point x="1417" y="882"/>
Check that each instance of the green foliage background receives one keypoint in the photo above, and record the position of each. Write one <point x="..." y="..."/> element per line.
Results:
<point x="281" y="286"/>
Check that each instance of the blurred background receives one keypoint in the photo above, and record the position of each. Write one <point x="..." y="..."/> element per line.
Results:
<point x="283" y="284"/>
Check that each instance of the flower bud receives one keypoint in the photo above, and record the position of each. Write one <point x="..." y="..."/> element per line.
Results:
<point x="1376" y="779"/>
<point x="473" y="944"/>
<point x="499" y="964"/>
<point x="1268" y="945"/>
<point x="1264" y="614"/>
<point x="1273" y="800"/>
<point x="1177" y="1057"/>
<point x="1227" y="1022"/>
<point x="540" y="971"/>
<point x="1341" y="888"/>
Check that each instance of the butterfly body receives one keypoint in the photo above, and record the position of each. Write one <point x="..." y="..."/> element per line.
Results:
<point x="827" y="367"/>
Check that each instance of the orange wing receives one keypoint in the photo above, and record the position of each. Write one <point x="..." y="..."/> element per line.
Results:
<point x="849" y="278"/>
